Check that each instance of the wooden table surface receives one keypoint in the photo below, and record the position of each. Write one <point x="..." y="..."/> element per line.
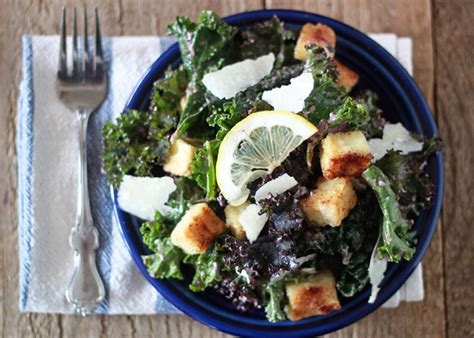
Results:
<point x="443" y="68"/>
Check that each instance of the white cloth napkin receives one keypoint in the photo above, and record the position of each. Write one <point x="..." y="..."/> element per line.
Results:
<point x="47" y="148"/>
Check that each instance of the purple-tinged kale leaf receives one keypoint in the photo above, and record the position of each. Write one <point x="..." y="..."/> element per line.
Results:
<point x="409" y="181"/>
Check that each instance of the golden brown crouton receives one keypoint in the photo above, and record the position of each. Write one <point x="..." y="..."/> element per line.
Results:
<point x="330" y="203"/>
<point x="232" y="215"/>
<point x="346" y="76"/>
<point x="316" y="295"/>
<point x="179" y="158"/>
<point x="344" y="155"/>
<point x="320" y="35"/>
<point x="197" y="229"/>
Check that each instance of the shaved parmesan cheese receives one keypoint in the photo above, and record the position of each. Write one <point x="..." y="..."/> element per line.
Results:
<point x="378" y="148"/>
<point x="377" y="268"/>
<point x="401" y="138"/>
<point x="250" y="219"/>
<point x="275" y="187"/>
<point x="292" y="96"/>
<point x="143" y="196"/>
<point x="396" y="137"/>
<point x="252" y="222"/>
<point x="228" y="81"/>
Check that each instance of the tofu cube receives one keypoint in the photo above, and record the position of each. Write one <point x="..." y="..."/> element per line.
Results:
<point x="198" y="228"/>
<point x="320" y="35"/>
<point x="346" y="77"/>
<point x="179" y="158"/>
<point x="344" y="155"/>
<point x="330" y="202"/>
<point x="316" y="295"/>
<point x="232" y="215"/>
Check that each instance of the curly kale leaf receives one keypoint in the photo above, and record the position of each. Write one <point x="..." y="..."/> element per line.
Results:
<point x="275" y="296"/>
<point x="274" y="308"/>
<point x="204" y="46"/>
<point x="203" y="169"/>
<point x="226" y="114"/>
<point x="397" y="238"/>
<point x="411" y="184"/>
<point x="374" y="127"/>
<point x="168" y="92"/>
<point x="207" y="268"/>
<point x="351" y="114"/>
<point x="326" y="96"/>
<point x="267" y="37"/>
<point x="165" y="261"/>
<point x="187" y="193"/>
<point x="138" y="143"/>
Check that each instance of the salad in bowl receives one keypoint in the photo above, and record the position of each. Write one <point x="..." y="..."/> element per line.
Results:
<point x="261" y="165"/>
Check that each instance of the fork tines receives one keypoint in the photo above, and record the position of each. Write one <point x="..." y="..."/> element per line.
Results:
<point x="86" y="64"/>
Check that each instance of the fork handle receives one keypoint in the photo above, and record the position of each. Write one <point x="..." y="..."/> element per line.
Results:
<point x="86" y="289"/>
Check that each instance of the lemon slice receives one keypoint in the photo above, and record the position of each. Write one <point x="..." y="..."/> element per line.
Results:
<point x="254" y="147"/>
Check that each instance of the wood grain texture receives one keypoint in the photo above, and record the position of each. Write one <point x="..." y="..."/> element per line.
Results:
<point x="453" y="100"/>
<point x="455" y="105"/>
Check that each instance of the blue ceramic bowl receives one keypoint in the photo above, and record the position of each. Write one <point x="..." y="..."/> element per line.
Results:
<point x="400" y="99"/>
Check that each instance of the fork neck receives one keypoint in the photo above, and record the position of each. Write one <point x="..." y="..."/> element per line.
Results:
<point x="83" y="205"/>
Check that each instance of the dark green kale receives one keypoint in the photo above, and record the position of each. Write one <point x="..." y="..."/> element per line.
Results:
<point x="397" y="237"/>
<point x="208" y="268"/>
<point x="195" y="112"/>
<point x="413" y="187"/>
<point x="165" y="260"/>
<point x="267" y="37"/>
<point x="139" y="142"/>
<point x="346" y="249"/>
<point x="374" y="127"/>
<point x="350" y="114"/>
<point x="186" y="194"/>
<point x="277" y="78"/>
<point x="204" y="46"/>
<point x="326" y="96"/>
<point x="203" y="169"/>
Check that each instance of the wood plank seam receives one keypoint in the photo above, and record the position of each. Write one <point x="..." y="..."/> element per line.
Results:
<point x="435" y="112"/>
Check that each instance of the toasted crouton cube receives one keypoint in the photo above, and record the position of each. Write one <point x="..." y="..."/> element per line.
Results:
<point x="316" y="295"/>
<point x="346" y="76"/>
<point x="344" y="155"/>
<point x="197" y="229"/>
<point x="179" y="158"/>
<point x="232" y="215"/>
<point x="330" y="203"/>
<point x="320" y="35"/>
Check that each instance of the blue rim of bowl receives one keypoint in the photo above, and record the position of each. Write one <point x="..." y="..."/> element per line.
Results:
<point x="394" y="279"/>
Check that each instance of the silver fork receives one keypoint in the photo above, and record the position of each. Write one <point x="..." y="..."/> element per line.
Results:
<point x="83" y="89"/>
